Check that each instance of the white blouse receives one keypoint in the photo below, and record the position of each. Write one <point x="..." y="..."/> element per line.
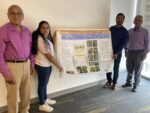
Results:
<point x="40" y="58"/>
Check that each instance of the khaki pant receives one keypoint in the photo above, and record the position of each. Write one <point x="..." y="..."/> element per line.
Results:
<point x="21" y="88"/>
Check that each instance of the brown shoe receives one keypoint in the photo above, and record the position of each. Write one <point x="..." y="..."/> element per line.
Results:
<point x="114" y="87"/>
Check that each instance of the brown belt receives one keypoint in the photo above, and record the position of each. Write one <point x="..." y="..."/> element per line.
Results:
<point x="17" y="61"/>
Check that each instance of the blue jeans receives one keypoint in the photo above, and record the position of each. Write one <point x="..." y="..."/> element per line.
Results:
<point x="115" y="69"/>
<point x="43" y="79"/>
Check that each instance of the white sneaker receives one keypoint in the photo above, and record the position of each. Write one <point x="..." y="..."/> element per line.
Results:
<point x="50" y="101"/>
<point x="45" y="108"/>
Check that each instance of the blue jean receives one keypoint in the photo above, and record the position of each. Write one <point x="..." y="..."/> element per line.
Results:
<point x="43" y="74"/>
<point x="115" y="69"/>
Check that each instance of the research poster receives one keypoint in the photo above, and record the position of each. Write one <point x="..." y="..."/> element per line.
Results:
<point x="84" y="51"/>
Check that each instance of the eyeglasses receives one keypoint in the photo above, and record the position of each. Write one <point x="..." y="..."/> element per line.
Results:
<point x="138" y="20"/>
<point x="13" y="14"/>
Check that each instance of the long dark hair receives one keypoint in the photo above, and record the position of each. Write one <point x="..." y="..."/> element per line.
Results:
<point x="35" y="36"/>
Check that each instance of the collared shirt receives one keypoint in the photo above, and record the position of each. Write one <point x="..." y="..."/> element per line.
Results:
<point x="43" y="48"/>
<point x="14" y="45"/>
<point x="119" y="36"/>
<point x="138" y="40"/>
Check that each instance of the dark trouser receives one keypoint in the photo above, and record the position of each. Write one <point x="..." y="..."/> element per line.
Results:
<point x="134" y="64"/>
<point x="115" y="69"/>
<point x="43" y="78"/>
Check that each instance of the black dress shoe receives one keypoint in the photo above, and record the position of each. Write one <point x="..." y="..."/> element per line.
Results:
<point x="134" y="89"/>
<point x="127" y="85"/>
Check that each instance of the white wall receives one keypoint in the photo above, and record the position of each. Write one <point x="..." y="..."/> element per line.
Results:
<point x="60" y="14"/>
<point x="124" y="6"/>
<point x="128" y="7"/>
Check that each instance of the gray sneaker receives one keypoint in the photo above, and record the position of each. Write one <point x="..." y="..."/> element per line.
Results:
<point x="107" y="85"/>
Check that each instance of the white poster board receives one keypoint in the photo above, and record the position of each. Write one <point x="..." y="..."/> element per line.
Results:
<point x="84" y="51"/>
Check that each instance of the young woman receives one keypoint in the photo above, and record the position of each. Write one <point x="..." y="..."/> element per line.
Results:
<point x="42" y="48"/>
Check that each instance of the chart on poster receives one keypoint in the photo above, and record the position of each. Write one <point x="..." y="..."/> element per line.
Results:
<point x="84" y="51"/>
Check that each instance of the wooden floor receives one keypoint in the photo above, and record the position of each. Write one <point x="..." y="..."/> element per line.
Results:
<point x="100" y="100"/>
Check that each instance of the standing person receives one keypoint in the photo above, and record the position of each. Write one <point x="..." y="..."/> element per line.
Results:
<point x="119" y="36"/>
<point x="42" y="48"/>
<point x="138" y="47"/>
<point x="15" y="49"/>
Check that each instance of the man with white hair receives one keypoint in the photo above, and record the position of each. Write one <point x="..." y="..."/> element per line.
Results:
<point x="137" y="49"/>
<point x="15" y="57"/>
